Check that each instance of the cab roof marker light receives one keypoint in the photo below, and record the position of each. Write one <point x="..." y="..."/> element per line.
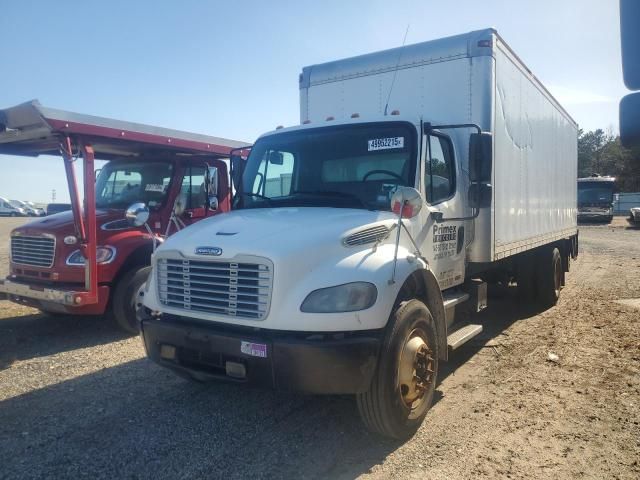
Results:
<point x="355" y="115"/>
<point x="279" y="127"/>
<point x="329" y="119"/>
<point x="485" y="43"/>
<point x="306" y="122"/>
<point x="395" y="112"/>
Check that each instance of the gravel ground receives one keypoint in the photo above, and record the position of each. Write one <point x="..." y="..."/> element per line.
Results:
<point x="79" y="399"/>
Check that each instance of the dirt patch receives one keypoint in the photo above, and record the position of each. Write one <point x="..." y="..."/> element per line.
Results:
<point x="77" y="397"/>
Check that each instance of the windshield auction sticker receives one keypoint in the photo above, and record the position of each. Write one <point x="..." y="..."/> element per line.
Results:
<point x="385" y="143"/>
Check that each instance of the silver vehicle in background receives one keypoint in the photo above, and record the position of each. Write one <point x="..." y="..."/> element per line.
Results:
<point x="9" y="210"/>
<point x="28" y="209"/>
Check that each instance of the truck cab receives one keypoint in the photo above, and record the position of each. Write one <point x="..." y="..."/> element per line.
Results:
<point x="595" y="198"/>
<point x="174" y="185"/>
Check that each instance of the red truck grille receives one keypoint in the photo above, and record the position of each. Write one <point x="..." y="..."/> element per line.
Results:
<point x="223" y="288"/>
<point x="33" y="251"/>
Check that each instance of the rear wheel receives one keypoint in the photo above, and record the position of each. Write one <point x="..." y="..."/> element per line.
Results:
<point x="549" y="276"/>
<point x="403" y="385"/>
<point x="126" y="298"/>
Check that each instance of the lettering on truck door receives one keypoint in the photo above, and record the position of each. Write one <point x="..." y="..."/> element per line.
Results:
<point x="443" y="243"/>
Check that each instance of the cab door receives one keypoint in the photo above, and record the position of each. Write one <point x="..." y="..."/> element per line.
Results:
<point x="443" y="242"/>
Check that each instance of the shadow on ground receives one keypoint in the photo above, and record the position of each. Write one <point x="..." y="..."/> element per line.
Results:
<point x="36" y="335"/>
<point x="138" y="420"/>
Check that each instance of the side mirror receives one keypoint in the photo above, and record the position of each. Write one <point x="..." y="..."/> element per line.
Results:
<point x="480" y="195"/>
<point x="237" y="169"/>
<point x="137" y="214"/>
<point x="406" y="202"/>
<point x="212" y="181"/>
<point x="630" y="120"/>
<point x="276" y="158"/>
<point x="480" y="157"/>
<point x="213" y="203"/>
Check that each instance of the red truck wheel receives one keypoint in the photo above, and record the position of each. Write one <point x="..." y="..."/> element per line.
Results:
<point x="125" y="298"/>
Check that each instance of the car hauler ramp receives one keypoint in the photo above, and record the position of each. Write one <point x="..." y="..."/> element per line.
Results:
<point x="29" y="129"/>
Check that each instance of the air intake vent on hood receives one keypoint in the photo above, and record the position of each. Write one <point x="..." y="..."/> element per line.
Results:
<point x="368" y="235"/>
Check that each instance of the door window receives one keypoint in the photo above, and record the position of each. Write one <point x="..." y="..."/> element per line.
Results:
<point x="193" y="187"/>
<point x="439" y="170"/>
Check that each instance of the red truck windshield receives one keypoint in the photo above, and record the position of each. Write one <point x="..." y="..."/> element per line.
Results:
<point x="120" y="184"/>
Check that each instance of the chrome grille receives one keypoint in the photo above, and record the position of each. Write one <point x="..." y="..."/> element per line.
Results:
<point x="33" y="251"/>
<point x="368" y="235"/>
<point x="223" y="288"/>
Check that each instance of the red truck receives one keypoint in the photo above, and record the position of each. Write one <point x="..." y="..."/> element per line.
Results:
<point x="94" y="259"/>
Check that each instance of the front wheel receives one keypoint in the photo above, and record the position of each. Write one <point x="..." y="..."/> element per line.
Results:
<point x="402" y="389"/>
<point x="126" y="298"/>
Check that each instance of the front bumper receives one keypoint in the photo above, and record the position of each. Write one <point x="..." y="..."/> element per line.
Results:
<point x="53" y="299"/>
<point x="318" y="364"/>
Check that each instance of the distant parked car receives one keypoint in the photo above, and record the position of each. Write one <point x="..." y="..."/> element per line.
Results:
<point x="29" y="210"/>
<point x="634" y="215"/>
<point x="9" y="210"/>
<point x="40" y="211"/>
<point x="53" y="208"/>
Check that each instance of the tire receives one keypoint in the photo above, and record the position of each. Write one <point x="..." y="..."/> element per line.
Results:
<point x="125" y="298"/>
<point x="385" y="407"/>
<point x="549" y="275"/>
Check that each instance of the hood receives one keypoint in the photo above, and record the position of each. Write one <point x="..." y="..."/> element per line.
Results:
<point x="273" y="232"/>
<point x="62" y="223"/>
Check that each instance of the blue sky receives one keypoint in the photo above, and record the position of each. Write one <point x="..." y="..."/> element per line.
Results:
<point x="230" y="69"/>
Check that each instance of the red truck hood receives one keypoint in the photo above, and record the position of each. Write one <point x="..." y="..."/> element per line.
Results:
<point x="62" y="223"/>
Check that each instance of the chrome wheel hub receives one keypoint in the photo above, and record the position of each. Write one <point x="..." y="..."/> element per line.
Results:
<point x="415" y="369"/>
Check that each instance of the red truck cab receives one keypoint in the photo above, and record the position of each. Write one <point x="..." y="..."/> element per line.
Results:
<point x="179" y="177"/>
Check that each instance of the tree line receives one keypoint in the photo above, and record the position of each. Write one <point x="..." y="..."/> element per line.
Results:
<point x="601" y="152"/>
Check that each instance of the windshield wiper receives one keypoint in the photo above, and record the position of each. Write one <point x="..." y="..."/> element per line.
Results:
<point x="335" y="194"/>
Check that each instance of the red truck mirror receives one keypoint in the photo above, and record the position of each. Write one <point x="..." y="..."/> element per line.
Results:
<point x="137" y="214"/>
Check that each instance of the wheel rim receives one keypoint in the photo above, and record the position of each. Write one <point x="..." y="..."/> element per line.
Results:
<point x="557" y="276"/>
<point x="415" y="369"/>
<point x="136" y="303"/>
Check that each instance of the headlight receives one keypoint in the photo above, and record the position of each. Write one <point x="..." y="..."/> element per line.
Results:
<point x="349" y="297"/>
<point x="103" y="255"/>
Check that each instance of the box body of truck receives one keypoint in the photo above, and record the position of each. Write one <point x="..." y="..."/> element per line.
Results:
<point x="470" y="78"/>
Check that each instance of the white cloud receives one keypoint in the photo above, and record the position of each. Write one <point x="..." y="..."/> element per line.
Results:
<point x="572" y="96"/>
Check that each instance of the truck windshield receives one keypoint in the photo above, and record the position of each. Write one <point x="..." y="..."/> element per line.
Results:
<point x="353" y="166"/>
<point x="595" y="193"/>
<point x="121" y="183"/>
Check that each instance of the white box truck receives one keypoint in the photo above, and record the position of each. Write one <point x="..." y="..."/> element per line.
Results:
<point x="417" y="175"/>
